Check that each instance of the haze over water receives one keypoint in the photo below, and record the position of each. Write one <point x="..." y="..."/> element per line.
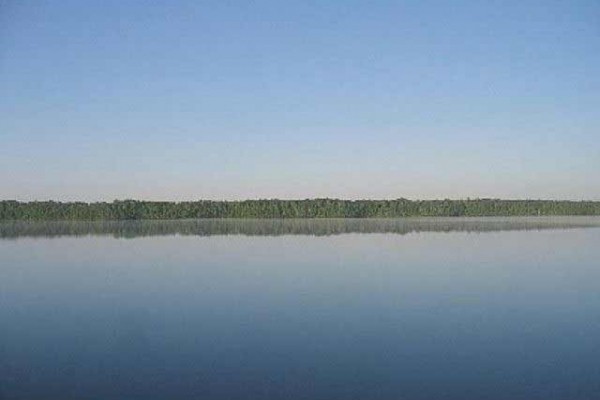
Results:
<point x="505" y="311"/>
<point x="271" y="108"/>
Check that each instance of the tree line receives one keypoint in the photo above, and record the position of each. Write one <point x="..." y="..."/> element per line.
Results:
<point x="310" y="208"/>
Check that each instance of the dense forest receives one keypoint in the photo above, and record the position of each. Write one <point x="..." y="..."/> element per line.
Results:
<point x="310" y="208"/>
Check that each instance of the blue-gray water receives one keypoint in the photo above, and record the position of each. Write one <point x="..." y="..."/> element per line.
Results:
<point x="499" y="308"/>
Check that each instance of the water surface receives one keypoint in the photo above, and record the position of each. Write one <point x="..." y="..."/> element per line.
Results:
<point x="499" y="308"/>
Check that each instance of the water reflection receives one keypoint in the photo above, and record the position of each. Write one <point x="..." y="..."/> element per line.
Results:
<point x="506" y="315"/>
<point x="277" y="227"/>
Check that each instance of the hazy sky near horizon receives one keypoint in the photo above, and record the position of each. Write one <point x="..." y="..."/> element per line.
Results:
<point x="180" y="100"/>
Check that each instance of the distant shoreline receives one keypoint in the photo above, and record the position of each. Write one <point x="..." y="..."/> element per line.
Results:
<point x="272" y="208"/>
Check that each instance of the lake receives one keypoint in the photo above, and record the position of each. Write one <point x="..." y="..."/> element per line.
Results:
<point x="417" y="308"/>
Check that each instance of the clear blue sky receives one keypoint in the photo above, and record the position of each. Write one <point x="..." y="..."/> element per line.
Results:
<point x="373" y="99"/>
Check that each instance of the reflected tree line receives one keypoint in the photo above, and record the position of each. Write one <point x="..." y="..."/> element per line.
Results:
<point x="277" y="227"/>
<point x="314" y="208"/>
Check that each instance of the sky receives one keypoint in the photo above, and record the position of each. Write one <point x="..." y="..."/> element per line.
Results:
<point x="184" y="100"/>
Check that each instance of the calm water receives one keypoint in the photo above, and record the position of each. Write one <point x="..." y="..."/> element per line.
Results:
<point x="331" y="309"/>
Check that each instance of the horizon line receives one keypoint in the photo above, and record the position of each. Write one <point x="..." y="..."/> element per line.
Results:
<point x="299" y="199"/>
